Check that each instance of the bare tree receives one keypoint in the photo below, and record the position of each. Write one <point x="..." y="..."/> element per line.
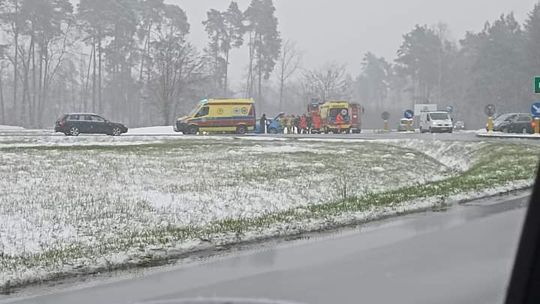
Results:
<point x="327" y="83"/>
<point x="288" y="63"/>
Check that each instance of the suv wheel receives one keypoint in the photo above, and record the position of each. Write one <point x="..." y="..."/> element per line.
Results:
<point x="241" y="130"/>
<point x="74" y="131"/>
<point x="116" y="131"/>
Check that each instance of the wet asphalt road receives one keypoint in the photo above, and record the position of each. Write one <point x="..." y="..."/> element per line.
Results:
<point x="461" y="255"/>
<point x="365" y="135"/>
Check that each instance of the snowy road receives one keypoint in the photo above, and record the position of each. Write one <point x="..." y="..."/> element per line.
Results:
<point x="462" y="255"/>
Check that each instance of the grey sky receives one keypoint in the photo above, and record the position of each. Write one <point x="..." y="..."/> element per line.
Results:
<point x="342" y="30"/>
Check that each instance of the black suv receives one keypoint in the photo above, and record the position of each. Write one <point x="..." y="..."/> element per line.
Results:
<point x="513" y="123"/>
<point x="76" y="123"/>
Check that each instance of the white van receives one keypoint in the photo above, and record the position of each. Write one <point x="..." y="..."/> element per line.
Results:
<point x="436" y="122"/>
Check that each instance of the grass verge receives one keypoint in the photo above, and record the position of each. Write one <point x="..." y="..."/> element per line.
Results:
<point x="494" y="166"/>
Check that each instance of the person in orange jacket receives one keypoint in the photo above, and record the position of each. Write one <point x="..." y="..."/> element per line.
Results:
<point x="303" y="124"/>
<point x="339" y="121"/>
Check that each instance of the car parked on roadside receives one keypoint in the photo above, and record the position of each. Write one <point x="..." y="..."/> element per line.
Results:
<point x="405" y="124"/>
<point x="73" y="124"/>
<point x="513" y="123"/>
<point x="459" y="125"/>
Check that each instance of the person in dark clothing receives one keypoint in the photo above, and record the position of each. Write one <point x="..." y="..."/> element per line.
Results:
<point x="309" y="124"/>
<point x="297" y="124"/>
<point x="263" y="124"/>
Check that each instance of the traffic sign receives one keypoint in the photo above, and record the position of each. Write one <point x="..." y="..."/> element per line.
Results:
<point x="408" y="114"/>
<point x="537" y="84"/>
<point x="535" y="109"/>
<point x="490" y="110"/>
<point x="450" y="109"/>
<point x="385" y="115"/>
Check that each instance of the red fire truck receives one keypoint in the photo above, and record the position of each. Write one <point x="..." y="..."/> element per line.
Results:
<point x="323" y="115"/>
<point x="356" y="121"/>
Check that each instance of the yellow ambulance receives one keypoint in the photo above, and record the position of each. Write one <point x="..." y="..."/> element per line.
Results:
<point x="219" y="115"/>
<point x="335" y="117"/>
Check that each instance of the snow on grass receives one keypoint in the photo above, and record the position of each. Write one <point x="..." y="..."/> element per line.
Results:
<point x="10" y="128"/>
<point x="70" y="205"/>
<point x="483" y="133"/>
<point x="152" y="130"/>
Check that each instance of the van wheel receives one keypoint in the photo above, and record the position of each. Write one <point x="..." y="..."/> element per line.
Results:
<point x="241" y="130"/>
<point x="192" y="130"/>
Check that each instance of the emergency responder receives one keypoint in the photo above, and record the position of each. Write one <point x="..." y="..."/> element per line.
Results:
<point x="284" y="123"/>
<point x="303" y="124"/>
<point x="297" y="124"/>
<point x="290" y="124"/>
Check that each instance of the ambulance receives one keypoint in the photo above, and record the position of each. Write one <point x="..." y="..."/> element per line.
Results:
<point x="219" y="116"/>
<point x="335" y="117"/>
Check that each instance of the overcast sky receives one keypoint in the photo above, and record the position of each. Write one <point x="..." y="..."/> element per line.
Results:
<point x="343" y="30"/>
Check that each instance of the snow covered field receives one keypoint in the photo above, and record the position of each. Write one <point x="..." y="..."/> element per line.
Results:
<point x="75" y="205"/>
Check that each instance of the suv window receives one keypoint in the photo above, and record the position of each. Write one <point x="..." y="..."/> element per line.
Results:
<point x="98" y="119"/>
<point x="524" y="118"/>
<point x="87" y="117"/>
<point x="73" y="117"/>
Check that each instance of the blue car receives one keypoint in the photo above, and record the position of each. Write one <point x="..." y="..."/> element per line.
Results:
<point x="273" y="125"/>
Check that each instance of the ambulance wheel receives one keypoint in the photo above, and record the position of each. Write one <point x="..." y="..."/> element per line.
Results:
<point x="192" y="130"/>
<point x="241" y="130"/>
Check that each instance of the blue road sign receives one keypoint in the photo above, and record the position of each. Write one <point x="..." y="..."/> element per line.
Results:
<point x="535" y="109"/>
<point x="408" y="114"/>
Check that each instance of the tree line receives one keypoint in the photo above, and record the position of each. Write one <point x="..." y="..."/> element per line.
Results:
<point x="131" y="60"/>
<point x="493" y="66"/>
